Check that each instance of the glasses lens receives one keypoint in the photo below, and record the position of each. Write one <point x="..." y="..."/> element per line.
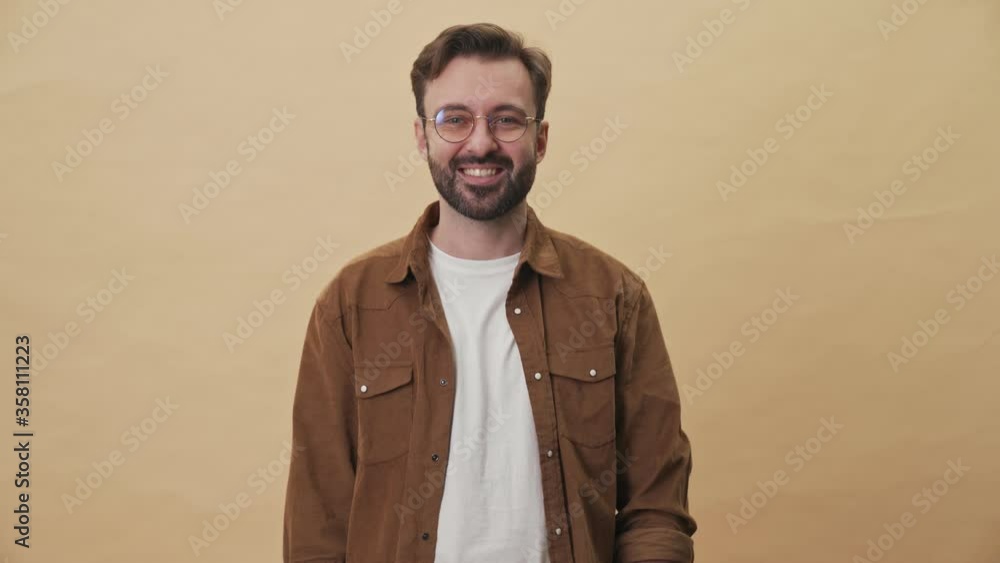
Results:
<point x="508" y="125"/>
<point x="454" y="124"/>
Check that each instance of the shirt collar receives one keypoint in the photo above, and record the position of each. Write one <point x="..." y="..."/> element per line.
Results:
<point x="538" y="249"/>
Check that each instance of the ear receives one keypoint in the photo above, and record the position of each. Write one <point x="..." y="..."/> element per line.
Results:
<point x="420" y="134"/>
<point x="541" y="141"/>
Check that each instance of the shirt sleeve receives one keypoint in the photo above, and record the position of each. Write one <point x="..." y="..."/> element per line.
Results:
<point x="324" y="435"/>
<point x="653" y="522"/>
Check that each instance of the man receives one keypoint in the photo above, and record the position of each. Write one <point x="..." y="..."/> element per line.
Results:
<point x="486" y="389"/>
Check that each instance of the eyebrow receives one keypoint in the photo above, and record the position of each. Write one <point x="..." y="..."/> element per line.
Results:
<point x="500" y="107"/>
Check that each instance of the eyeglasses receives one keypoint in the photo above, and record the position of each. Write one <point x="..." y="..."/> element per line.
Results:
<point x="456" y="125"/>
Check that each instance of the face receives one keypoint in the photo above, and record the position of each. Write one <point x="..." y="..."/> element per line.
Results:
<point x="457" y="168"/>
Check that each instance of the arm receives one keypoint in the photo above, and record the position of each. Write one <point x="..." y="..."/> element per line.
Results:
<point x="324" y="433"/>
<point x="653" y="523"/>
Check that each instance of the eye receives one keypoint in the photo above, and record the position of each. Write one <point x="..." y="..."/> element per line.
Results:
<point x="454" y="119"/>
<point x="508" y="119"/>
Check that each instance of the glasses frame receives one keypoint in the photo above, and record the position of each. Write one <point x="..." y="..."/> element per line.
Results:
<point x="475" y="122"/>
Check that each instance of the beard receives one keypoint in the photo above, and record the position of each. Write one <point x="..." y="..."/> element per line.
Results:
<point x="483" y="203"/>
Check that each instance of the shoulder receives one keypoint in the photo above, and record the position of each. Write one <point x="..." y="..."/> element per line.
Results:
<point x="589" y="269"/>
<point x="361" y="279"/>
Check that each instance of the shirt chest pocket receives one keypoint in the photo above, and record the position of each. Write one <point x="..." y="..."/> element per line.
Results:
<point x="385" y="411"/>
<point x="583" y="385"/>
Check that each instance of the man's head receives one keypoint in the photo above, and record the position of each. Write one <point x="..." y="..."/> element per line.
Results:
<point x="481" y="70"/>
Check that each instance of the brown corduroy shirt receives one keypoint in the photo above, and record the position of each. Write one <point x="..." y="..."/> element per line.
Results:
<point x="375" y="394"/>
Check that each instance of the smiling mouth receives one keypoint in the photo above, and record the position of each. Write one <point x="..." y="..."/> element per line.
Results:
<point x="480" y="171"/>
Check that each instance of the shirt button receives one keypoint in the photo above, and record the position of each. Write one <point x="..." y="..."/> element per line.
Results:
<point x="558" y="531"/>
<point x="443" y="381"/>
<point x="517" y="310"/>
<point x="364" y="388"/>
<point x="434" y="457"/>
<point x="538" y="375"/>
<point x="425" y="535"/>
<point x="549" y="453"/>
<point x="593" y="372"/>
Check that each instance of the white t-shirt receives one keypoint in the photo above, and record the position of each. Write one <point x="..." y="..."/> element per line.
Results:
<point x="492" y="508"/>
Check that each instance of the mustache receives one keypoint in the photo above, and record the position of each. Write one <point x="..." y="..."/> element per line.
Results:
<point x="500" y="162"/>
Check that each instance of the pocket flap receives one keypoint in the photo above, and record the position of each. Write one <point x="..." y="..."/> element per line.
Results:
<point x="590" y="365"/>
<point x="373" y="381"/>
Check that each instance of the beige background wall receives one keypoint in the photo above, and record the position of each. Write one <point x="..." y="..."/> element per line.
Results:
<point x="653" y="191"/>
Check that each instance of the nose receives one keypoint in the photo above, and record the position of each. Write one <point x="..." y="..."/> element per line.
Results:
<point x="481" y="141"/>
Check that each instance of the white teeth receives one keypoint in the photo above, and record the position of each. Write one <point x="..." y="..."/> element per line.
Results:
<point x="481" y="171"/>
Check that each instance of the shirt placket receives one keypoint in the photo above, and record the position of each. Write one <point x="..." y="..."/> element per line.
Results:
<point x="524" y="309"/>
<point x="440" y="381"/>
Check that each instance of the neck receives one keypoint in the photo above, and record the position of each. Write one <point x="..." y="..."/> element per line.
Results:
<point x="466" y="238"/>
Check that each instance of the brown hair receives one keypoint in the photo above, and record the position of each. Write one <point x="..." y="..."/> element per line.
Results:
<point x="485" y="40"/>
